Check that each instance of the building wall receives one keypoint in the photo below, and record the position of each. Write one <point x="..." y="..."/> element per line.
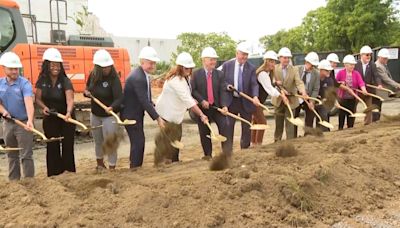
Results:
<point x="41" y="9"/>
<point x="164" y="47"/>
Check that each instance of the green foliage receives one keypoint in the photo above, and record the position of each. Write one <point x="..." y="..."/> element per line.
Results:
<point x="194" y="43"/>
<point x="342" y="24"/>
<point x="162" y="68"/>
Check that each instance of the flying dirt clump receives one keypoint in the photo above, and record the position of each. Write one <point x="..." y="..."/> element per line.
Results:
<point x="220" y="162"/>
<point x="286" y="150"/>
<point x="164" y="151"/>
<point x="112" y="142"/>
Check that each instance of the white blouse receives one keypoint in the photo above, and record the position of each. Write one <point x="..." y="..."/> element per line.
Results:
<point x="265" y="81"/>
<point x="174" y="100"/>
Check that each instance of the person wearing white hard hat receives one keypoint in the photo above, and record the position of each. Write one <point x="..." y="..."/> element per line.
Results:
<point x="310" y="77"/>
<point x="384" y="73"/>
<point x="16" y="100"/>
<point x="54" y="92"/>
<point x="138" y="100"/>
<point x="368" y="71"/>
<point x="104" y="84"/>
<point x="288" y="80"/>
<point x="265" y="80"/>
<point x="208" y="88"/>
<point x="333" y="59"/>
<point x="172" y="104"/>
<point x="326" y="82"/>
<point x="241" y="74"/>
<point x="352" y="79"/>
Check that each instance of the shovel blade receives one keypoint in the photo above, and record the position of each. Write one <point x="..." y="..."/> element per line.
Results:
<point x="296" y="121"/>
<point x="326" y="124"/>
<point x="177" y="144"/>
<point x="259" y="127"/>
<point x="356" y="115"/>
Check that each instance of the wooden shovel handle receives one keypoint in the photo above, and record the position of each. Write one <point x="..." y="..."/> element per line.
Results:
<point x="315" y="111"/>
<point x="103" y="106"/>
<point x="248" y="97"/>
<point x="73" y="121"/>
<point x="309" y="98"/>
<point x="234" y="116"/>
<point x="211" y="130"/>
<point x="383" y="89"/>
<point x="371" y="95"/>
<point x="343" y="108"/>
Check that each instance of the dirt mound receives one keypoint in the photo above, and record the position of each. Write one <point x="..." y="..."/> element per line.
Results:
<point x="332" y="178"/>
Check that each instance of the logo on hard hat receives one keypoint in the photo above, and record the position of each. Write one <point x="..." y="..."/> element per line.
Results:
<point x="105" y="84"/>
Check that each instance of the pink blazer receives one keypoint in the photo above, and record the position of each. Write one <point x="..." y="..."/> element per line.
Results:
<point x="358" y="82"/>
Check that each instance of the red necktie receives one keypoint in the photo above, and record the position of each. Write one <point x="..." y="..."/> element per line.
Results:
<point x="210" y="94"/>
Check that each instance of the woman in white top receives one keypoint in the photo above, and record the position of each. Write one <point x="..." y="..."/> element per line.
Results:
<point x="265" y="78"/>
<point x="172" y="104"/>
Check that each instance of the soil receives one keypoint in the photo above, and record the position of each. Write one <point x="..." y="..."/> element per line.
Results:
<point x="348" y="178"/>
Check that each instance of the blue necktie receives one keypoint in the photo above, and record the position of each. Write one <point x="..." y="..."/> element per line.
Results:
<point x="240" y="79"/>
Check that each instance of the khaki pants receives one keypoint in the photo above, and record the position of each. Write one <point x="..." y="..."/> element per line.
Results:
<point x="281" y="114"/>
<point x="17" y="136"/>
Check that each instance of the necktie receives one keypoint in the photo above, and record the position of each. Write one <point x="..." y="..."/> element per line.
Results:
<point x="148" y="88"/>
<point x="240" y="79"/>
<point x="210" y="94"/>
<point x="304" y="77"/>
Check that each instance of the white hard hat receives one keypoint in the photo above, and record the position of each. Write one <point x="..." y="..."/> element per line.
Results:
<point x="284" y="52"/>
<point x="103" y="58"/>
<point x="270" y="55"/>
<point x="185" y="59"/>
<point x="366" y="50"/>
<point x="349" y="59"/>
<point x="312" y="58"/>
<point x="10" y="60"/>
<point x="384" y="53"/>
<point x="209" y="52"/>
<point x="333" y="58"/>
<point x="325" y="65"/>
<point x="149" y="53"/>
<point x="244" y="47"/>
<point x="52" y="55"/>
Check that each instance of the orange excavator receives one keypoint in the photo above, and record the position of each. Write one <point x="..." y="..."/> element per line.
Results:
<point x="77" y="59"/>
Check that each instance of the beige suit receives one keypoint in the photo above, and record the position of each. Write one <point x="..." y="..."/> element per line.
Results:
<point x="292" y="84"/>
<point x="385" y="75"/>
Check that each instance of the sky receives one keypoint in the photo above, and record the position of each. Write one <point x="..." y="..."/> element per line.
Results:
<point x="242" y="20"/>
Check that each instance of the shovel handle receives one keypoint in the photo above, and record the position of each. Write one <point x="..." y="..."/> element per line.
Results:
<point x="103" y="106"/>
<point x="290" y="111"/>
<point x="356" y="96"/>
<point x="209" y="127"/>
<point x="343" y="108"/>
<point x="315" y="111"/>
<point x="233" y="116"/>
<point x="309" y="98"/>
<point x="371" y="95"/>
<point x="247" y="97"/>
<point x="383" y="89"/>
<point x="73" y="121"/>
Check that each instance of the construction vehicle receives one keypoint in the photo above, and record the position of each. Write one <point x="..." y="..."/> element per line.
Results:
<point x="77" y="52"/>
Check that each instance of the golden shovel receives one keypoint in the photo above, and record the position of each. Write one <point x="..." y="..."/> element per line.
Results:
<point x="44" y="138"/>
<point x="252" y="126"/>
<point x="123" y="123"/>
<point x="295" y="121"/>
<point x="174" y="143"/>
<point x="321" y="122"/>
<point x="213" y="136"/>
<point x="391" y="93"/>
<point x="9" y="149"/>
<point x="231" y="88"/>
<point x="355" y="115"/>
<point x="73" y="121"/>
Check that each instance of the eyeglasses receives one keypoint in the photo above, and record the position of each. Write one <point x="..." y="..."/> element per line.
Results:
<point x="367" y="54"/>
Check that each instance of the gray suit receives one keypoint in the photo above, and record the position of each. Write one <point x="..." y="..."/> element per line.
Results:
<point x="312" y="89"/>
<point x="385" y="75"/>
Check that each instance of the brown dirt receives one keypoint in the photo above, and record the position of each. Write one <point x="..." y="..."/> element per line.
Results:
<point x="331" y="179"/>
<point x="112" y="142"/>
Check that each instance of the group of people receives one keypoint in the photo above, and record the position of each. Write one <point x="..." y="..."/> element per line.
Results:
<point x="208" y="93"/>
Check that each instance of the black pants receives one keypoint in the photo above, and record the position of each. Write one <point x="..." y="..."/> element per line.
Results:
<point x="324" y="113"/>
<point x="376" y="116"/>
<point x="59" y="156"/>
<point x="137" y="140"/>
<point x="221" y="121"/>
<point x="350" y="104"/>
<point x="308" y="119"/>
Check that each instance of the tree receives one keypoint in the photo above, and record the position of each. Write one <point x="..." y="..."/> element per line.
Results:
<point x="194" y="43"/>
<point x="342" y="25"/>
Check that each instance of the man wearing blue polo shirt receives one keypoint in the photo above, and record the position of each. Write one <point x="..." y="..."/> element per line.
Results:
<point x="16" y="100"/>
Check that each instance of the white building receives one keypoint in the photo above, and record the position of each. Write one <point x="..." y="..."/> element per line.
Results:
<point x="67" y="13"/>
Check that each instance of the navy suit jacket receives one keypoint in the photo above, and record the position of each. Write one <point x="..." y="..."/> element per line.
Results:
<point x="136" y="97"/>
<point x="371" y="75"/>
<point x="198" y="83"/>
<point x="250" y="85"/>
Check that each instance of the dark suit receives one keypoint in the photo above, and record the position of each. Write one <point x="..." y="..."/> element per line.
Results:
<point x="199" y="92"/>
<point x="370" y="77"/>
<point x="135" y="102"/>
<point x="239" y="105"/>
